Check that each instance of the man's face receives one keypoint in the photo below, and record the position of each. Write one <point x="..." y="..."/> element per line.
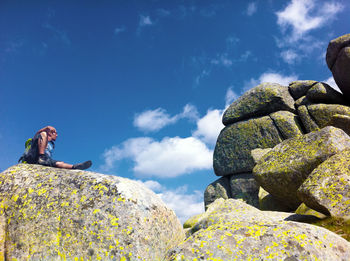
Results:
<point x="53" y="135"/>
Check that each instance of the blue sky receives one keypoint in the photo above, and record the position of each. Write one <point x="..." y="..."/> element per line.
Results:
<point x="139" y="87"/>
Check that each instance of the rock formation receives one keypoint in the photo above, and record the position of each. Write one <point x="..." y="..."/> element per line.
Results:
<point x="56" y="214"/>
<point x="233" y="230"/>
<point x="289" y="121"/>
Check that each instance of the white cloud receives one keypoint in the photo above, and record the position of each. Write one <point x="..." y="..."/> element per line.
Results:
<point x="270" y="77"/>
<point x="145" y="21"/>
<point x="303" y="16"/>
<point x="252" y="8"/>
<point x="154" y="120"/>
<point x="167" y="158"/>
<point x="119" y="30"/>
<point x="153" y="185"/>
<point x="185" y="205"/>
<point x="290" y="56"/>
<point x="330" y="81"/>
<point x="209" y="127"/>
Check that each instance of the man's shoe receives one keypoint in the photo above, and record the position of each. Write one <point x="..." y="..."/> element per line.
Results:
<point x="82" y="166"/>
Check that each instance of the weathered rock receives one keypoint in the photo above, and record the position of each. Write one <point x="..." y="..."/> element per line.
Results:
<point x="233" y="230"/>
<point x="341" y="122"/>
<point x="287" y="123"/>
<point x="323" y="113"/>
<point x="269" y="202"/>
<point x="244" y="186"/>
<point x="56" y="214"/>
<point x="302" y="101"/>
<point x="282" y="170"/>
<point x="334" y="48"/>
<point x="327" y="188"/>
<point x="305" y="210"/>
<point x="258" y="153"/>
<point x="308" y="122"/>
<point x="299" y="88"/>
<point x="233" y="146"/>
<point x="341" y="70"/>
<point x="218" y="189"/>
<point x="259" y="101"/>
<point x="323" y="93"/>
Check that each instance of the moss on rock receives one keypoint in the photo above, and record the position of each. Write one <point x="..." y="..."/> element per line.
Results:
<point x="282" y="170"/>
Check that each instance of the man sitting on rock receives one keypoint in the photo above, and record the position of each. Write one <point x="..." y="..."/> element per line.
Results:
<point x="43" y="141"/>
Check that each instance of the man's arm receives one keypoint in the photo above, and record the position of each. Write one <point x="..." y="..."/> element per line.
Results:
<point x="42" y="142"/>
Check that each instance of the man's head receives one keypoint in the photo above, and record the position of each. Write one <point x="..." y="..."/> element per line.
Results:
<point x="50" y="131"/>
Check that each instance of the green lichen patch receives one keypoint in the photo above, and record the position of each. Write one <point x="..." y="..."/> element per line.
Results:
<point x="287" y="123"/>
<point x="341" y="122"/>
<point x="323" y="113"/>
<point x="308" y="122"/>
<point x="259" y="101"/>
<point x="232" y="151"/>
<point x="299" y="88"/>
<point x="327" y="189"/>
<point x="282" y="170"/>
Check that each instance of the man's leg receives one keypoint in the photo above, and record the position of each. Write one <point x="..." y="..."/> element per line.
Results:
<point x="62" y="165"/>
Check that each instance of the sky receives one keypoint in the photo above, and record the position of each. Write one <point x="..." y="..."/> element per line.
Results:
<point x="139" y="87"/>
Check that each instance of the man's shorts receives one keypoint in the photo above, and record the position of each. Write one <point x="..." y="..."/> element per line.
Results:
<point x="47" y="161"/>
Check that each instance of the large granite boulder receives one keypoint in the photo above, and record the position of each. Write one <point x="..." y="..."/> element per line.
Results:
<point x="323" y="93"/>
<point x="259" y="101"/>
<point x="57" y="214"/>
<point x="299" y="89"/>
<point x="282" y="170"/>
<point x="232" y="230"/>
<point x="327" y="188"/>
<point x="232" y="151"/>
<point x="338" y="61"/>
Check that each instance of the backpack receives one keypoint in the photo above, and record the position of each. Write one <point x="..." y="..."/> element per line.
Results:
<point x="30" y="154"/>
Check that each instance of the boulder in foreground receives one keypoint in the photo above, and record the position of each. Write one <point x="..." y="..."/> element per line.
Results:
<point x="57" y="214"/>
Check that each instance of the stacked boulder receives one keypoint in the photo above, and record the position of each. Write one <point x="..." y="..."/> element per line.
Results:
<point x="276" y="136"/>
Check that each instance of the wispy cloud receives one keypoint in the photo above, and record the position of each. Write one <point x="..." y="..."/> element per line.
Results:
<point x="154" y="120"/>
<point x="119" y="30"/>
<point x="297" y="20"/>
<point x="290" y="56"/>
<point x="161" y="159"/>
<point x="302" y="16"/>
<point x="252" y="8"/>
<point x="272" y="77"/>
<point x="230" y="97"/>
<point x="145" y="21"/>
<point x="58" y="34"/>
